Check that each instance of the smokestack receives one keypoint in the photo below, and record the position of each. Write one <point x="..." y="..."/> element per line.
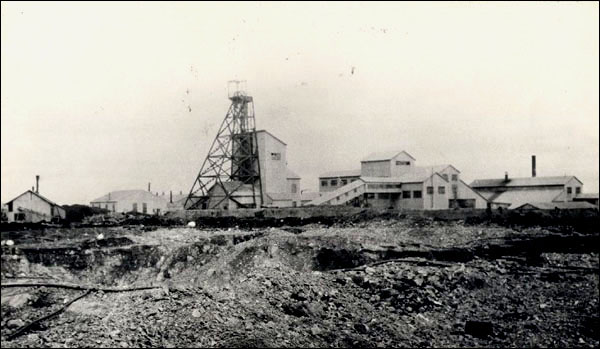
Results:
<point x="37" y="184"/>
<point x="181" y="192"/>
<point x="532" y="165"/>
<point x="506" y="176"/>
<point x="170" y="196"/>
<point x="148" y="186"/>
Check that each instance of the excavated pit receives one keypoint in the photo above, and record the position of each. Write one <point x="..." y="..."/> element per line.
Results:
<point x="386" y="282"/>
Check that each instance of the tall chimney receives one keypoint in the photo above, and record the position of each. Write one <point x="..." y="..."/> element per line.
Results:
<point x="170" y="196"/>
<point x="532" y="165"/>
<point x="37" y="184"/>
<point x="506" y="176"/>
<point x="148" y="186"/>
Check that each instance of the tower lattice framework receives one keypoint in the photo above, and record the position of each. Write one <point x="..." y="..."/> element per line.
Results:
<point x="232" y="163"/>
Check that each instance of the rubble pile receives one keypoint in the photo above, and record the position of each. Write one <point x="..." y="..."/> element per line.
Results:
<point x="373" y="283"/>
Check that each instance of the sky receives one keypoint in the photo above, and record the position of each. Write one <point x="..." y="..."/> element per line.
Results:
<point x="97" y="97"/>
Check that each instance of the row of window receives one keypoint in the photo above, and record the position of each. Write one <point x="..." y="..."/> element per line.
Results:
<point x="454" y="177"/>
<point x="334" y="182"/>
<point x="384" y="186"/>
<point x="406" y="194"/>
<point x="577" y="190"/>
<point x="441" y="190"/>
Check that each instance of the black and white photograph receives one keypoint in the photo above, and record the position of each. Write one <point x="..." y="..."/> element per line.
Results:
<point x="300" y="174"/>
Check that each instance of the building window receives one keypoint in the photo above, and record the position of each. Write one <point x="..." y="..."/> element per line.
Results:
<point x="144" y="207"/>
<point x="344" y="182"/>
<point x="113" y="207"/>
<point x="370" y="195"/>
<point x="134" y="207"/>
<point x="19" y="216"/>
<point x="454" y="177"/>
<point x="430" y="190"/>
<point x="352" y="180"/>
<point x="441" y="190"/>
<point x="334" y="182"/>
<point x="577" y="190"/>
<point x="383" y="195"/>
<point x="569" y="190"/>
<point x="445" y="176"/>
<point x="275" y="156"/>
<point x="294" y="188"/>
<point x="416" y="194"/>
<point x="406" y="194"/>
<point x="323" y="183"/>
<point x="402" y="163"/>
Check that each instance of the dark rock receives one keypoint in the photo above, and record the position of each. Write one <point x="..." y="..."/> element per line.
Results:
<point x="361" y="328"/>
<point x="480" y="329"/>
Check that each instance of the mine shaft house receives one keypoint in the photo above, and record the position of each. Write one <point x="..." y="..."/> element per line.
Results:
<point x="391" y="180"/>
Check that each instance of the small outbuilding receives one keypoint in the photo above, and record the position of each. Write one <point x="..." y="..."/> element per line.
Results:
<point x="31" y="207"/>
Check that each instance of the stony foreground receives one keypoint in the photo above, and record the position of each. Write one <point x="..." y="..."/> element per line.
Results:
<point x="379" y="283"/>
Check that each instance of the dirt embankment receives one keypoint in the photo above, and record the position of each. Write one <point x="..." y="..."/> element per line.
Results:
<point x="368" y="281"/>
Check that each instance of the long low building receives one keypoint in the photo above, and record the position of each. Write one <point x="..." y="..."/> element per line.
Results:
<point x="391" y="180"/>
<point x="131" y="201"/>
<point x="514" y="192"/>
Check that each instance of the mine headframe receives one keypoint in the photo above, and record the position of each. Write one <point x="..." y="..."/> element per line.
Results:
<point x="231" y="170"/>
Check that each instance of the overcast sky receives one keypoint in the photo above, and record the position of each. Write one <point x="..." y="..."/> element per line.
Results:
<point x="106" y="96"/>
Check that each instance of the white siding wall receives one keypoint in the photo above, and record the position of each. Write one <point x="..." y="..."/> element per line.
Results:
<point x="273" y="172"/>
<point x="466" y="192"/>
<point x="436" y="201"/>
<point x="31" y="202"/>
<point x="375" y="168"/>
<point x="398" y="170"/>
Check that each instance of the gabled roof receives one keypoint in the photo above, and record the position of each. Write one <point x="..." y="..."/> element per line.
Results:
<point x="335" y="174"/>
<point x="134" y="194"/>
<point x="291" y="174"/>
<point x="383" y="156"/>
<point x="52" y="203"/>
<point x="473" y="190"/>
<point x="438" y="168"/>
<point x="559" y="205"/>
<point x="270" y="134"/>
<point x="519" y="197"/>
<point x="522" y="182"/>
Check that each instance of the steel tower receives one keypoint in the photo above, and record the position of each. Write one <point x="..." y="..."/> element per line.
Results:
<point x="232" y="163"/>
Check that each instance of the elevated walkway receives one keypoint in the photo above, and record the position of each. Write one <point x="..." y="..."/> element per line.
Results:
<point x="341" y="195"/>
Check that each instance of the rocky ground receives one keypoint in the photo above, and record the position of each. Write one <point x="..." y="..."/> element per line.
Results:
<point x="399" y="282"/>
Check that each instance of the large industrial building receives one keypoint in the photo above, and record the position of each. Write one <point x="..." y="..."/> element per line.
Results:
<point x="391" y="180"/>
<point x="31" y="207"/>
<point x="244" y="168"/>
<point x="560" y="192"/>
